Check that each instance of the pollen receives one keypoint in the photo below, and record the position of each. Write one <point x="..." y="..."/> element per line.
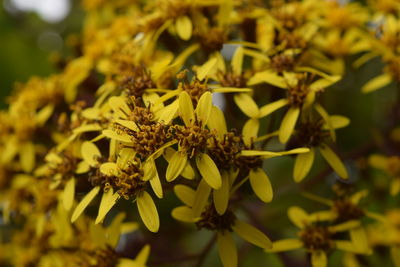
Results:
<point x="316" y="238"/>
<point x="192" y="139"/>
<point x="211" y="220"/>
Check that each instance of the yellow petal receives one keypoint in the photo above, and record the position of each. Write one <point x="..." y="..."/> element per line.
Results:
<point x="318" y="259"/>
<point x="185" y="194"/>
<point x="82" y="167"/>
<point x="327" y="120"/>
<point x="338" y="121"/>
<point x="175" y="166"/>
<point x="231" y="90"/>
<point x="119" y="106"/>
<point x="303" y="165"/>
<point x="298" y="216"/>
<point x="208" y="170"/>
<point x="44" y="114"/>
<point x="269" y="77"/>
<point x="261" y="185"/>
<point x="378" y="161"/>
<point x="271" y="107"/>
<point x="186" y="109"/>
<point x="359" y="238"/>
<point x="168" y="113"/>
<point x="184" y="27"/>
<point x="183" y="214"/>
<point x="131" y="125"/>
<point x="237" y="61"/>
<point x="149" y="170"/>
<point x="376" y="83"/>
<point x="334" y="161"/>
<point x="156" y="185"/>
<point x="87" y="128"/>
<point x="395" y="254"/>
<point x="122" y="137"/>
<point x="204" y="106"/>
<point x="205" y="69"/>
<point x="252" y="234"/>
<point x="148" y="212"/>
<point x="221" y="196"/>
<point x="90" y="153"/>
<point x="27" y="157"/>
<point x="395" y="187"/>
<point x="247" y="105"/>
<point x="217" y="121"/>
<point x="285" y="245"/>
<point x="250" y="130"/>
<point x="320" y="216"/>
<point x="346" y="246"/>
<point x="68" y="194"/>
<point x="84" y="203"/>
<point x="143" y="255"/>
<point x="227" y="249"/>
<point x="107" y="202"/>
<point x="346" y="226"/>
<point x="188" y="171"/>
<point x="200" y="200"/>
<point x="125" y="156"/>
<point x="288" y="124"/>
<point x="109" y="169"/>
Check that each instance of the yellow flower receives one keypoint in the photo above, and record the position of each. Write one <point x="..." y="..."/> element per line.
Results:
<point x="301" y="90"/>
<point x="128" y="178"/>
<point x="391" y="166"/>
<point x="317" y="239"/>
<point x="196" y="210"/>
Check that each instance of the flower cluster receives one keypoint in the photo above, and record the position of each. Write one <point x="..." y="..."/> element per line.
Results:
<point x="173" y="100"/>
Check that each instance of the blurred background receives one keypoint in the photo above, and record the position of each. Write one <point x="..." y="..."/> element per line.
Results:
<point x="33" y="32"/>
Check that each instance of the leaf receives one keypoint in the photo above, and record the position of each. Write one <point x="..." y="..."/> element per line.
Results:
<point x="252" y="234"/>
<point x="175" y="166"/>
<point x="84" y="203"/>
<point x="148" y="212"/>
<point x="227" y="249"/>
<point x="288" y="124"/>
<point x="107" y="202"/>
<point x="184" y="27"/>
<point x="90" y="153"/>
<point x="247" y="105"/>
<point x="334" y="161"/>
<point x="261" y="185"/>
<point x="68" y="194"/>
<point x="208" y="170"/>
<point x="302" y="165"/>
